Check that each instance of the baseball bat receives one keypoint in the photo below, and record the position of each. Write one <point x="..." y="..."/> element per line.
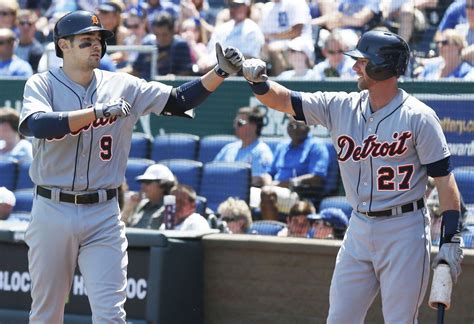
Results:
<point x="441" y="306"/>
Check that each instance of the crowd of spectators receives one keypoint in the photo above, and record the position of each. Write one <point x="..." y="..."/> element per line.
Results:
<point x="301" y="39"/>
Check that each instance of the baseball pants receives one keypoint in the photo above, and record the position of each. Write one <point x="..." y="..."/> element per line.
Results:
<point x="62" y="235"/>
<point x="390" y="254"/>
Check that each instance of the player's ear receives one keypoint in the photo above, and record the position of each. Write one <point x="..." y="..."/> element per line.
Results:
<point x="64" y="44"/>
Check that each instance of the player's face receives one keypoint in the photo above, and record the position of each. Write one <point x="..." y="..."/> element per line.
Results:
<point x="364" y="81"/>
<point x="87" y="49"/>
<point x="298" y="226"/>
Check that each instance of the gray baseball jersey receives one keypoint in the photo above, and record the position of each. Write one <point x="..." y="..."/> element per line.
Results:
<point x="381" y="157"/>
<point x="62" y="234"/>
<point x="96" y="156"/>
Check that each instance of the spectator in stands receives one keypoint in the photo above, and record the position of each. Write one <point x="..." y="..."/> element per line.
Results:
<point x="10" y="64"/>
<point x="29" y="48"/>
<point x="455" y="14"/>
<point x="194" y="36"/>
<point x="156" y="7"/>
<point x="186" y="218"/>
<point x="136" y="23"/>
<point x="301" y="59"/>
<point x="12" y="145"/>
<point x="353" y="17"/>
<point x="8" y="11"/>
<point x="297" y="220"/>
<point x="7" y="202"/>
<point x="467" y="31"/>
<point x="283" y="20"/>
<point x="109" y="14"/>
<point x="174" y="55"/>
<point x="236" y="213"/>
<point x="198" y="10"/>
<point x="145" y="210"/>
<point x="300" y="165"/>
<point x="269" y="206"/>
<point x="248" y="125"/>
<point x="406" y="16"/>
<point x="239" y="31"/>
<point x="449" y="65"/>
<point x="330" y="223"/>
<point x="336" y="63"/>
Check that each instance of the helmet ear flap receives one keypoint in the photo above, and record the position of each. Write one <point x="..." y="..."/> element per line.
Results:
<point x="380" y="72"/>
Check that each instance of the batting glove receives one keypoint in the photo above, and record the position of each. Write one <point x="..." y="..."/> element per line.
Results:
<point x="255" y="70"/>
<point x="452" y="254"/>
<point x="114" y="108"/>
<point x="228" y="62"/>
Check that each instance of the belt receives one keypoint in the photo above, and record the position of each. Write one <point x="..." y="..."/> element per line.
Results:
<point x="79" y="199"/>
<point x="420" y="203"/>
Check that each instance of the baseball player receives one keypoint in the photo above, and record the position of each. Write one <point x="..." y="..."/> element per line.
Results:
<point x="82" y="120"/>
<point x="388" y="143"/>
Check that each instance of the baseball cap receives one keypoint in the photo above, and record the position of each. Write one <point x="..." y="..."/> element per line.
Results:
<point x="301" y="44"/>
<point x="7" y="197"/>
<point x="335" y="217"/>
<point x="245" y="2"/>
<point x="157" y="172"/>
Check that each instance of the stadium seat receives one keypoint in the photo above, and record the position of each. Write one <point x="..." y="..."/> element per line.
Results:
<point x="273" y="141"/>
<point x="175" y="146"/>
<point x="186" y="171"/>
<point x="266" y="227"/>
<point x="141" y="146"/>
<point x="221" y="180"/>
<point x="8" y="174"/>
<point x="24" y="200"/>
<point x="337" y="202"/>
<point x="210" y="145"/>
<point x="24" y="180"/>
<point x="465" y="178"/>
<point x="332" y="178"/>
<point x="136" y="167"/>
<point x="201" y="205"/>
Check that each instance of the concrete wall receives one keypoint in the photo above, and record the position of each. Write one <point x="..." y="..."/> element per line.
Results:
<point x="256" y="279"/>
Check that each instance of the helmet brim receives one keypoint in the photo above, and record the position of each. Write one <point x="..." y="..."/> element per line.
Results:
<point x="355" y="54"/>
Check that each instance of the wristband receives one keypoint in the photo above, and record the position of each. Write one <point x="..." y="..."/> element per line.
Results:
<point x="259" y="88"/>
<point x="220" y="72"/>
<point x="449" y="225"/>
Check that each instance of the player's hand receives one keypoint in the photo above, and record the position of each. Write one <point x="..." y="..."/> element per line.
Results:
<point x="452" y="254"/>
<point x="115" y="108"/>
<point x="255" y="70"/>
<point x="228" y="62"/>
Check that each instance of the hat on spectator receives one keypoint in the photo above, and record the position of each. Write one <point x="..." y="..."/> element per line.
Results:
<point x="157" y="172"/>
<point x="111" y="6"/>
<point x="245" y="2"/>
<point x="304" y="45"/>
<point x="7" y="197"/>
<point x="334" y="216"/>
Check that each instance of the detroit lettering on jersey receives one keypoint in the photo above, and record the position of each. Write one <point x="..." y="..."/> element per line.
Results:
<point x="100" y="122"/>
<point x="371" y="147"/>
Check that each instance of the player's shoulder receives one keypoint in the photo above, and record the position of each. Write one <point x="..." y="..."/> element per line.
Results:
<point x="415" y="106"/>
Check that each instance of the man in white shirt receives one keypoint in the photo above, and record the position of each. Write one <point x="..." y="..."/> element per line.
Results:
<point x="186" y="218"/>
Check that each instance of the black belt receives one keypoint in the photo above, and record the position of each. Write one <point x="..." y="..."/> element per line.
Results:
<point x="420" y="203"/>
<point x="79" y="199"/>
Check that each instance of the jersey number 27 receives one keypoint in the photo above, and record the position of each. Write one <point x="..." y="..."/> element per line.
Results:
<point x="386" y="176"/>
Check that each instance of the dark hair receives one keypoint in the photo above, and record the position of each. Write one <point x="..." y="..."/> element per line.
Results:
<point x="255" y="116"/>
<point x="163" y="19"/>
<point x="188" y="191"/>
<point x="303" y="207"/>
<point x="10" y="116"/>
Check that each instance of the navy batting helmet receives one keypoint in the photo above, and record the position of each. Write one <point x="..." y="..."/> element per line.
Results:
<point x="76" y="23"/>
<point x="388" y="54"/>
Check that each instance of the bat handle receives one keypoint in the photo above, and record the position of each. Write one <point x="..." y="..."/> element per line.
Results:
<point x="440" y="316"/>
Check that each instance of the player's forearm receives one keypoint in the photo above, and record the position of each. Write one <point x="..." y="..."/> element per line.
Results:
<point x="80" y="118"/>
<point x="57" y="124"/>
<point x="211" y="80"/>
<point x="278" y="97"/>
<point x="448" y="193"/>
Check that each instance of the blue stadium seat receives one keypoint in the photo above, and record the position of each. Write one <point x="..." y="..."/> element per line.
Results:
<point x="8" y="174"/>
<point x="24" y="200"/>
<point x="337" y="202"/>
<point x="332" y="178"/>
<point x="186" y="171"/>
<point x="266" y="227"/>
<point x="273" y="141"/>
<point x="24" y="180"/>
<point x="210" y="145"/>
<point x="136" y="167"/>
<point x="141" y="146"/>
<point x="201" y="205"/>
<point x="221" y="180"/>
<point x="465" y="179"/>
<point x="175" y="146"/>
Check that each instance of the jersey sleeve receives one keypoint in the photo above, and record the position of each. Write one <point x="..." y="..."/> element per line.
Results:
<point x="150" y="97"/>
<point x="429" y="139"/>
<point x="36" y="98"/>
